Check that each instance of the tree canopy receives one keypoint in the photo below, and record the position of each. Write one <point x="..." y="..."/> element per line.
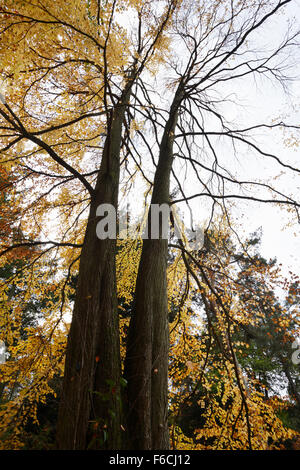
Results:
<point x="138" y="342"/>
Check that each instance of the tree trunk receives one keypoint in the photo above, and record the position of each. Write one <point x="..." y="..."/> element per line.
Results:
<point x="91" y="384"/>
<point x="146" y="365"/>
<point x="293" y="388"/>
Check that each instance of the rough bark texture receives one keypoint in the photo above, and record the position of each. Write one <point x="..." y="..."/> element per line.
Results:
<point x="91" y="385"/>
<point x="146" y="365"/>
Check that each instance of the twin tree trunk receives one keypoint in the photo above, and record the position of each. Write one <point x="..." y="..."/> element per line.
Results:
<point x="90" y="409"/>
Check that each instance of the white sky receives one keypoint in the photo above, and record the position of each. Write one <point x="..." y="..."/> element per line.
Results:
<point x="261" y="101"/>
<point x="278" y="239"/>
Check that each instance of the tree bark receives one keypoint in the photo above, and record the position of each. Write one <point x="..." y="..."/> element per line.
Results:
<point x="91" y="385"/>
<point x="146" y="364"/>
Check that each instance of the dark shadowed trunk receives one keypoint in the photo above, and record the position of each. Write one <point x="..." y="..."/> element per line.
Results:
<point x="91" y="384"/>
<point x="292" y="385"/>
<point x="146" y="365"/>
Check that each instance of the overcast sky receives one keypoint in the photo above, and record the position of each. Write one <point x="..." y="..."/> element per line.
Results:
<point x="259" y="101"/>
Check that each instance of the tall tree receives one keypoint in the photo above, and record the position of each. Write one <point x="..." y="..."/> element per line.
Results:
<point x="213" y="35"/>
<point x="113" y="65"/>
<point x="80" y="110"/>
